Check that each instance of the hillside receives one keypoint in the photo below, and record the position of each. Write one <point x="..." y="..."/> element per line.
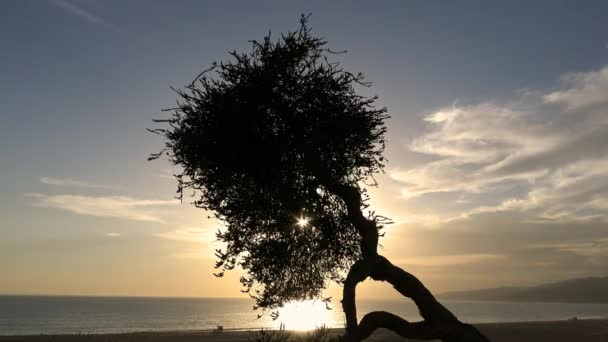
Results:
<point x="582" y="290"/>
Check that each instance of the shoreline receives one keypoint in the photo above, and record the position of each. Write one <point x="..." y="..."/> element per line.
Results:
<point x="555" y="331"/>
<point x="256" y="329"/>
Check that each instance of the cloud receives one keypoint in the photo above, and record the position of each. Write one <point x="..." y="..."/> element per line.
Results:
<point x="582" y="89"/>
<point x="487" y="249"/>
<point x="449" y="260"/>
<point x="502" y="188"/>
<point x="195" y="235"/>
<point x="592" y="249"/>
<point x="84" y="15"/>
<point x="113" y="234"/>
<point x="199" y="238"/>
<point x="167" y="173"/>
<point x="544" y="158"/>
<point x="122" y="207"/>
<point x="76" y="183"/>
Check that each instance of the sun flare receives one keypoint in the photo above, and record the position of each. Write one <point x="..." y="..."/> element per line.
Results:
<point x="306" y="315"/>
<point x="303" y="221"/>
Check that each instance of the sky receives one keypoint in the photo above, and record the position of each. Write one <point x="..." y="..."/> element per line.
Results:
<point x="497" y="172"/>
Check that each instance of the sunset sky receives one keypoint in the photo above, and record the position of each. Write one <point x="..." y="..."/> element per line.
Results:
<point x="497" y="152"/>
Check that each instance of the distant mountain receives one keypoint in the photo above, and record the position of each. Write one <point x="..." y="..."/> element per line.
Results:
<point x="581" y="290"/>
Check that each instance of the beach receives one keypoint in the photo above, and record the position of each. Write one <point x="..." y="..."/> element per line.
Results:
<point x="584" y="330"/>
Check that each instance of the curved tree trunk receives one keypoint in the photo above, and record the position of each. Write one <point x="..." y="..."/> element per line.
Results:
<point x="439" y="322"/>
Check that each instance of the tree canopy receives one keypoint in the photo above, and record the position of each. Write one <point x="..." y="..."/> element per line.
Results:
<point x="262" y="140"/>
<point x="278" y="145"/>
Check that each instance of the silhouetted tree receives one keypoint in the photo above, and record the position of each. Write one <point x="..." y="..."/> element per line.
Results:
<point x="279" y="145"/>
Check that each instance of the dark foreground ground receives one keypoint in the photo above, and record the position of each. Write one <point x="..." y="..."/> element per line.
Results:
<point x="560" y="331"/>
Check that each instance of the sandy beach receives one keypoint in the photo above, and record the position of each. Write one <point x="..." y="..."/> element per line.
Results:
<point x="592" y="330"/>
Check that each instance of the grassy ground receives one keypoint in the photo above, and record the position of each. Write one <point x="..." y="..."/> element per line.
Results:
<point x="560" y="331"/>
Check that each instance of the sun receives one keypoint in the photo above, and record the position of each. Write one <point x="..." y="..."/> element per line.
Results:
<point x="302" y="221"/>
<point x="305" y="315"/>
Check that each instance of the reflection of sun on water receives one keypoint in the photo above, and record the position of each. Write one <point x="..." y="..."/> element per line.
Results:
<point x="306" y="315"/>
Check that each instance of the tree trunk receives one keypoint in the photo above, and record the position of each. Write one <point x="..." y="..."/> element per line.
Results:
<point x="439" y="322"/>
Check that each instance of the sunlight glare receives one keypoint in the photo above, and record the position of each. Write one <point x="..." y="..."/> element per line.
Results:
<point x="306" y="315"/>
<point x="303" y="221"/>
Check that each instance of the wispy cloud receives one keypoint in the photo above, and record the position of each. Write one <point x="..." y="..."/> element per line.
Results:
<point x="122" y="207"/>
<point x="449" y="260"/>
<point x="544" y="155"/>
<point x="196" y="235"/>
<point x="581" y="89"/>
<point x="76" y="183"/>
<point x="113" y="234"/>
<point x="167" y="173"/>
<point x="85" y="15"/>
<point x="510" y="187"/>
<point x="486" y="249"/>
<point x="197" y="239"/>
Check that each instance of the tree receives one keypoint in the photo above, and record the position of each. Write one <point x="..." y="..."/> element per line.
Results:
<point x="279" y="146"/>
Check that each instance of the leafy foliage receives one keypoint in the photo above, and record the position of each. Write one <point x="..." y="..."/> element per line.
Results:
<point x="259" y="143"/>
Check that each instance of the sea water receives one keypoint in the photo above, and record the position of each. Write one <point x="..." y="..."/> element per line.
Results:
<point x="24" y="315"/>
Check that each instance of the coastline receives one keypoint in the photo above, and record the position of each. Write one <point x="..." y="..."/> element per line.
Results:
<point x="592" y="330"/>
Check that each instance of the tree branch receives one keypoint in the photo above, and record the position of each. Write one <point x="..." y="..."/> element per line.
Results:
<point x="409" y="286"/>
<point x="439" y="322"/>
<point x="381" y="319"/>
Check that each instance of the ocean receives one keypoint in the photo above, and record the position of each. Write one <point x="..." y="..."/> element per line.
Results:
<point x="24" y="315"/>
